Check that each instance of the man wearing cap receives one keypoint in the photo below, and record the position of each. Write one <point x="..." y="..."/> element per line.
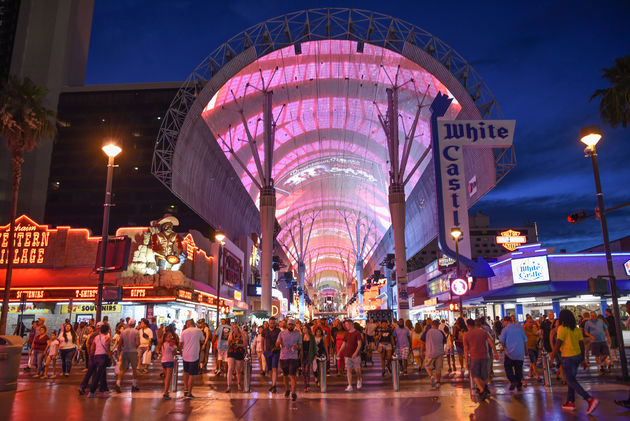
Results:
<point x="167" y="245"/>
<point x="128" y="348"/>
<point x="289" y="342"/>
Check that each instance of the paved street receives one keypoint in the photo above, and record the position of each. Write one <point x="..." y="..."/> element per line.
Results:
<point x="49" y="399"/>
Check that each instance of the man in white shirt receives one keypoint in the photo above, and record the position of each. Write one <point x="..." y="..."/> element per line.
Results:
<point x="190" y="344"/>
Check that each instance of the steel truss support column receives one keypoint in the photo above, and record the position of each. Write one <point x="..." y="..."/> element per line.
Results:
<point x="397" y="211"/>
<point x="267" y="222"/>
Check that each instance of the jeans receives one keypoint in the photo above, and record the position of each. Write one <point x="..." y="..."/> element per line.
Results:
<point x="513" y="370"/>
<point x="99" y="378"/>
<point x="66" y="360"/>
<point x="38" y="359"/>
<point x="570" y="367"/>
<point x="99" y="372"/>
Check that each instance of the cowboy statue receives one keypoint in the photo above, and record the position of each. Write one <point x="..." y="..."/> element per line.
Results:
<point x="167" y="245"/>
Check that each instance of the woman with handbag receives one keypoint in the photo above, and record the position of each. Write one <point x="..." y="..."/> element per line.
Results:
<point x="309" y="349"/>
<point x="237" y="347"/>
<point x="144" y="350"/>
<point x="102" y="354"/>
<point x="320" y="351"/>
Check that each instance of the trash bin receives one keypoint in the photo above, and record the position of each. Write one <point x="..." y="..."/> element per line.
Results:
<point x="10" y="353"/>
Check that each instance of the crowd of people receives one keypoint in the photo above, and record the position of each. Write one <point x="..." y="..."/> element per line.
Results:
<point x="292" y="349"/>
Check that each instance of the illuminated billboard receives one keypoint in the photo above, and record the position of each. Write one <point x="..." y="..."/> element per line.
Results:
<point x="530" y="269"/>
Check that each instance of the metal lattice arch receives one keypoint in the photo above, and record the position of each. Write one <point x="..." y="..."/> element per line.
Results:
<point x="201" y="175"/>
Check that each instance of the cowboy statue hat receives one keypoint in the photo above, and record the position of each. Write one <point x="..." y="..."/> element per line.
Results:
<point x="169" y="218"/>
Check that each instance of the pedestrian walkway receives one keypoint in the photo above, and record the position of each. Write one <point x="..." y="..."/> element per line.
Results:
<point x="46" y="399"/>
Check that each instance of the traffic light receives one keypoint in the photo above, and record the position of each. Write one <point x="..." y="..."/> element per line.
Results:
<point x="577" y="217"/>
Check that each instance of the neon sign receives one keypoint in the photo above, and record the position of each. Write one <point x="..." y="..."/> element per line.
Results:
<point x="30" y="241"/>
<point x="459" y="286"/>
<point x="530" y="269"/>
<point x="511" y="239"/>
<point x="626" y="266"/>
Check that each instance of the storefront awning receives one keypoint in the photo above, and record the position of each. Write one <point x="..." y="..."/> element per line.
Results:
<point x="48" y="277"/>
<point x="564" y="289"/>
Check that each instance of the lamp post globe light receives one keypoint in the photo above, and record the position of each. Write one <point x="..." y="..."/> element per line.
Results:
<point x="219" y="237"/>
<point x="590" y="136"/>
<point x="456" y="233"/>
<point x="111" y="147"/>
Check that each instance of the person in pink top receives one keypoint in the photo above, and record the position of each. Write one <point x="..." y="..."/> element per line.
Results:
<point x="168" y="349"/>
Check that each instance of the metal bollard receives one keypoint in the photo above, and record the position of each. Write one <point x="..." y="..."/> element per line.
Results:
<point x="322" y="361"/>
<point x="546" y="369"/>
<point x="248" y="373"/>
<point x="395" y="373"/>
<point x="175" y="375"/>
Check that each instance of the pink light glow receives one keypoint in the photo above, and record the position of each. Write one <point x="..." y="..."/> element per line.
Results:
<point x="330" y="151"/>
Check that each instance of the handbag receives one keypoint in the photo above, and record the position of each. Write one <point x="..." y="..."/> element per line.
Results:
<point x="146" y="357"/>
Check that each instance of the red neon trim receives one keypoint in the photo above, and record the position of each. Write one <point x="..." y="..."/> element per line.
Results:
<point x="48" y="288"/>
<point x="150" y="299"/>
<point x="139" y="287"/>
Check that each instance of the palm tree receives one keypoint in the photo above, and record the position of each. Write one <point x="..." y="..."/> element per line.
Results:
<point x="615" y="106"/>
<point x="24" y="122"/>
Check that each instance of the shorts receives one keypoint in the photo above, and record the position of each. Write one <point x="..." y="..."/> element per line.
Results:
<point x="479" y="369"/>
<point x="370" y="338"/>
<point x="533" y="355"/>
<point x="272" y="359"/>
<point x="384" y="347"/>
<point x="434" y="363"/>
<point x="289" y="367"/>
<point x="599" y="348"/>
<point x="353" y="362"/>
<point x="168" y="364"/>
<point x="459" y="349"/>
<point x="128" y="358"/>
<point x="450" y="351"/>
<point x="191" y="367"/>
<point x="403" y="353"/>
<point x="222" y="354"/>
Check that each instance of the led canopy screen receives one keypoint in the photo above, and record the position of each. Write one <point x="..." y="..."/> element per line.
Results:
<point x="330" y="151"/>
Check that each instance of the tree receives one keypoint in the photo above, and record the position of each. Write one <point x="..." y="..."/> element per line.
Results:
<point x="615" y="105"/>
<point x="24" y="123"/>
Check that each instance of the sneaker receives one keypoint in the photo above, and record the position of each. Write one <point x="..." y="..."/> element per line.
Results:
<point x="135" y="389"/>
<point x="35" y="376"/>
<point x="81" y="391"/>
<point x="293" y="397"/>
<point x="166" y="397"/>
<point x="349" y="388"/>
<point x="66" y="374"/>
<point x="359" y="384"/>
<point x="117" y="388"/>
<point x="512" y="386"/>
<point x="569" y="406"/>
<point x="519" y="388"/>
<point x="592" y="404"/>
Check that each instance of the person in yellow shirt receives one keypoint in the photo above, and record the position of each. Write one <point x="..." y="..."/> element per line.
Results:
<point x="532" y="331"/>
<point x="570" y="344"/>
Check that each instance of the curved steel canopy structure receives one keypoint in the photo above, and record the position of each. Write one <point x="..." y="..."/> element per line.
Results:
<point x="329" y="70"/>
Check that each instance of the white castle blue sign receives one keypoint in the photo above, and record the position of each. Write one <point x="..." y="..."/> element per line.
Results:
<point x="530" y="269"/>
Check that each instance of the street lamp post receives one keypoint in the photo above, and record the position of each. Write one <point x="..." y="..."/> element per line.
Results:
<point x="590" y="136"/>
<point x="112" y="148"/>
<point x="456" y="233"/>
<point x="219" y="237"/>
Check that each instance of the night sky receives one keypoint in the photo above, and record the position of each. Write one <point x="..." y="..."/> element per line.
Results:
<point x="541" y="60"/>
